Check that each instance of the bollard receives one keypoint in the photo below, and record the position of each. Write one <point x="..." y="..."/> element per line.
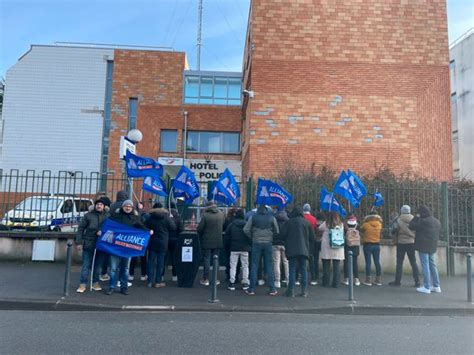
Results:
<point x="351" y="276"/>
<point x="469" y="277"/>
<point x="68" y="268"/>
<point x="215" y="267"/>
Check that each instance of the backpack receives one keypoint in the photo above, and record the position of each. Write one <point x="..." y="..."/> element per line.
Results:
<point x="336" y="237"/>
<point x="352" y="238"/>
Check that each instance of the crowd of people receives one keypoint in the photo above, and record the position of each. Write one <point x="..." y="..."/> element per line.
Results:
<point x="264" y="246"/>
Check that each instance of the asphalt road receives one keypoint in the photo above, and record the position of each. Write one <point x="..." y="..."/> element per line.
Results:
<point x="25" y="332"/>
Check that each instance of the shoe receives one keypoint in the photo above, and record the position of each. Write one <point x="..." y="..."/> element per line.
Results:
<point x="356" y="282"/>
<point x="394" y="283"/>
<point x="245" y="286"/>
<point x="159" y="285"/>
<point x="81" y="288"/>
<point x="129" y="284"/>
<point x="124" y="291"/>
<point x="204" y="282"/>
<point x="423" y="290"/>
<point x="149" y="285"/>
<point x="297" y="283"/>
<point x="231" y="286"/>
<point x="435" y="289"/>
<point x="417" y="284"/>
<point x="261" y="282"/>
<point x="130" y="277"/>
<point x="104" y="277"/>
<point x="290" y="293"/>
<point x="303" y="294"/>
<point x="277" y="284"/>
<point x="284" y="282"/>
<point x="345" y="282"/>
<point x="96" y="287"/>
<point x="314" y="283"/>
<point x="249" y="292"/>
<point x="367" y="282"/>
<point x="218" y="282"/>
<point x="109" y="291"/>
<point x="143" y="278"/>
<point x="378" y="281"/>
<point x="273" y="293"/>
<point x="174" y="278"/>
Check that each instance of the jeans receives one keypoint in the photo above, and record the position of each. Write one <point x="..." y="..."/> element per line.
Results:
<point x="119" y="267"/>
<point x="207" y="255"/>
<point x="409" y="249"/>
<point x="87" y="257"/>
<point x="355" y="268"/>
<point x="278" y="256"/>
<point x="372" y="250"/>
<point x="301" y="263"/>
<point x="257" y="250"/>
<point x="314" y="261"/>
<point x="430" y="270"/>
<point x="155" y="266"/>
<point x="234" y="260"/>
<point x="336" y="274"/>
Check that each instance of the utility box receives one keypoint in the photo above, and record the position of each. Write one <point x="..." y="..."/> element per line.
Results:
<point x="43" y="250"/>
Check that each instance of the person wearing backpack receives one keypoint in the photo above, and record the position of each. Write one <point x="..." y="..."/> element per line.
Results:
<point x="371" y="231"/>
<point x="352" y="243"/>
<point x="330" y="229"/>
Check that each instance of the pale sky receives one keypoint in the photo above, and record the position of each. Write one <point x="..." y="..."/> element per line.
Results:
<point x="167" y="23"/>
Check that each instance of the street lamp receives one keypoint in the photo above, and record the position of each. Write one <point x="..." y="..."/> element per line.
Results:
<point x="134" y="136"/>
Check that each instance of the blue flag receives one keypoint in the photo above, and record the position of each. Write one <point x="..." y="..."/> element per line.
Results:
<point x="272" y="194"/>
<point x="327" y="202"/>
<point x="142" y="166"/>
<point x="357" y="187"/>
<point x="214" y="194"/>
<point x="155" y="185"/>
<point x="378" y="199"/>
<point x="343" y="188"/>
<point x="121" y="240"/>
<point x="228" y="186"/>
<point x="185" y="185"/>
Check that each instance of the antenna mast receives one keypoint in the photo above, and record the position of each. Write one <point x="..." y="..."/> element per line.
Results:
<point x="199" y="38"/>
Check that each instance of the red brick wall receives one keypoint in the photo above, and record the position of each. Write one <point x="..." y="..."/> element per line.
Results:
<point x="348" y="84"/>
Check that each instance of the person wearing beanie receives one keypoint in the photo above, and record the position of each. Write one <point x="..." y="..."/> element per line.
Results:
<point x="86" y="238"/>
<point x="427" y="229"/>
<point x="404" y="238"/>
<point x="120" y="197"/>
<point x="352" y="243"/>
<point x="371" y="231"/>
<point x="314" y="246"/>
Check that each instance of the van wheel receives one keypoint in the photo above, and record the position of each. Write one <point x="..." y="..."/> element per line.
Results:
<point x="56" y="229"/>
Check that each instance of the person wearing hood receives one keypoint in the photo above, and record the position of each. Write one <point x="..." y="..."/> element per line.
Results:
<point x="239" y="246"/>
<point x="210" y="230"/>
<point x="297" y="233"/>
<point x="261" y="229"/>
<point x="162" y="224"/>
<point x="278" y="251"/>
<point x="371" y="231"/>
<point x="117" y="204"/>
<point x="404" y="238"/>
<point x="86" y="239"/>
<point x="119" y="266"/>
<point x="427" y="229"/>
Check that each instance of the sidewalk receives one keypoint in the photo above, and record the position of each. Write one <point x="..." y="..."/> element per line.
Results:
<point x="39" y="286"/>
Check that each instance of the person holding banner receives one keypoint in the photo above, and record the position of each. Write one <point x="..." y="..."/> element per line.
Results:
<point x="86" y="239"/>
<point x="120" y="265"/>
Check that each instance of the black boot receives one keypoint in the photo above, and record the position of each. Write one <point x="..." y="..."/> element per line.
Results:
<point x="290" y="293"/>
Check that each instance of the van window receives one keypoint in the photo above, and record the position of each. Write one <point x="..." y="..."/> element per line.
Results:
<point x="82" y="205"/>
<point x="67" y="207"/>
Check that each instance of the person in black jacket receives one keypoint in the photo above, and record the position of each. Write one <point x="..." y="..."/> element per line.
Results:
<point x="239" y="246"/>
<point x="297" y="233"/>
<point x="173" y="240"/>
<point x="129" y="216"/>
<point x="162" y="225"/>
<point x="427" y="229"/>
<point x="86" y="239"/>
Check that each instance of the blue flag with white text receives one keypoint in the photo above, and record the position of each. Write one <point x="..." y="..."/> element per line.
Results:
<point x="378" y="199"/>
<point x="185" y="185"/>
<point x="228" y="186"/>
<point x="272" y="194"/>
<point x="357" y="187"/>
<point x="343" y="188"/>
<point x="214" y="194"/>
<point x="155" y="185"/>
<point x="142" y="166"/>
<point x="328" y="202"/>
<point x="121" y="240"/>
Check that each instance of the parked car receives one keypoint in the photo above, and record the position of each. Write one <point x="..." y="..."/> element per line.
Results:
<point x="54" y="213"/>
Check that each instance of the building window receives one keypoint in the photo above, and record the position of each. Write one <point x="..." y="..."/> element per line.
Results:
<point x="168" y="139"/>
<point x="209" y="88"/>
<point x="213" y="142"/>
<point x="132" y="113"/>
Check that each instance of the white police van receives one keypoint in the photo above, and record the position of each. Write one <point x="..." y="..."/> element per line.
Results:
<point x="54" y="213"/>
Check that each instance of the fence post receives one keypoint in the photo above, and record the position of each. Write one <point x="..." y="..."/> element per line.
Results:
<point x="249" y="202"/>
<point x="215" y="267"/>
<point x="469" y="277"/>
<point x="67" y="276"/>
<point x="351" y="276"/>
<point x="445" y="229"/>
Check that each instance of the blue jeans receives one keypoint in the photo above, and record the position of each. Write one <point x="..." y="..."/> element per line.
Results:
<point x="299" y="262"/>
<point x="155" y="266"/>
<point x="372" y="250"/>
<point x="87" y="257"/>
<point x="207" y="255"/>
<point x="119" y="267"/>
<point x="430" y="270"/>
<point x="257" y="250"/>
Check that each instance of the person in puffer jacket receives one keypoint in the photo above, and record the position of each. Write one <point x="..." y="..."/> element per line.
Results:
<point x="371" y="231"/>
